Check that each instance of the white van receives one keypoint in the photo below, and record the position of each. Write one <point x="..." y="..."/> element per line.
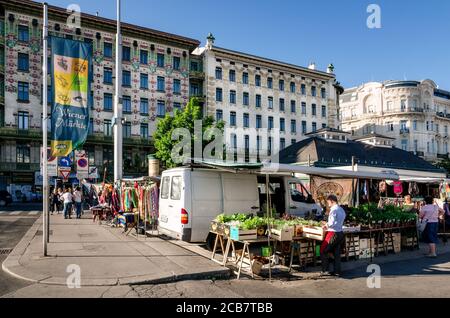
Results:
<point x="190" y="198"/>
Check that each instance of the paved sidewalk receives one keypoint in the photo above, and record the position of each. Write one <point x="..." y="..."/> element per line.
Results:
<point x="106" y="256"/>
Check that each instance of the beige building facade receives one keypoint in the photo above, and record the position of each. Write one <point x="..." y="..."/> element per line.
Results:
<point x="415" y="113"/>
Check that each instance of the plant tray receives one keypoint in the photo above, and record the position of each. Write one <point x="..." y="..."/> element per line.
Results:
<point x="314" y="232"/>
<point x="237" y="234"/>
<point x="220" y="228"/>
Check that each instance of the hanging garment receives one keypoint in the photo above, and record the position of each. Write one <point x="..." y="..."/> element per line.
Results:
<point x="382" y="186"/>
<point x="413" y="189"/>
<point x="398" y="187"/>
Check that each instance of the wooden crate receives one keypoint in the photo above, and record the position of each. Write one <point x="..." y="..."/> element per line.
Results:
<point x="237" y="234"/>
<point x="283" y="235"/>
<point x="365" y="253"/>
<point x="219" y="228"/>
<point x="365" y="243"/>
<point x="314" y="232"/>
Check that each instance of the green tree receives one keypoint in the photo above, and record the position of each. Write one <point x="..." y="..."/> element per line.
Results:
<point x="445" y="164"/>
<point x="181" y="119"/>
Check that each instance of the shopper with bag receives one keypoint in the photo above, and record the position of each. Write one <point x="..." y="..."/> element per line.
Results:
<point x="429" y="216"/>
<point x="334" y="238"/>
<point x="77" y="198"/>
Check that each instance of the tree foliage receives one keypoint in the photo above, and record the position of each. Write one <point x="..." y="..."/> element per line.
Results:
<point x="181" y="119"/>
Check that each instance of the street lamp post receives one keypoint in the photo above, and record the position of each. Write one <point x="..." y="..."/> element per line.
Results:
<point x="45" y="222"/>
<point x="118" y="170"/>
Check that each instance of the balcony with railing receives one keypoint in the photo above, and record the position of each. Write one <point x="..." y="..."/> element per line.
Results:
<point x="404" y="131"/>
<point x="13" y="132"/>
<point x="19" y="166"/>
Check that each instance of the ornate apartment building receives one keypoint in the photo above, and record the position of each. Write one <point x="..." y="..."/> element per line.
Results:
<point x="155" y="81"/>
<point x="255" y="96"/>
<point x="267" y="105"/>
<point x="416" y="114"/>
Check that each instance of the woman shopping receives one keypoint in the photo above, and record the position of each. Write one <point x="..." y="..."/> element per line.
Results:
<point x="430" y="214"/>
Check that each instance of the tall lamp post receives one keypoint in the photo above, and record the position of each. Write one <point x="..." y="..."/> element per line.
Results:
<point x="118" y="169"/>
<point x="44" y="131"/>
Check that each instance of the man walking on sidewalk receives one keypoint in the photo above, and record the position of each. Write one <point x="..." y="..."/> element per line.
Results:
<point x="67" y="200"/>
<point x="77" y="199"/>
<point x="334" y="237"/>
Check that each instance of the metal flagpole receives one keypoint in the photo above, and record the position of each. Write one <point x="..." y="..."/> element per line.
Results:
<point x="44" y="130"/>
<point x="117" y="104"/>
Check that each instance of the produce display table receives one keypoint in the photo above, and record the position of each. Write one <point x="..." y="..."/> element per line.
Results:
<point x="230" y="246"/>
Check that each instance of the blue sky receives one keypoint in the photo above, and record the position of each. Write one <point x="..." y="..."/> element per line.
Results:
<point x="413" y="42"/>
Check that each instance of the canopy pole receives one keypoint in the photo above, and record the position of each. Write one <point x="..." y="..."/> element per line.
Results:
<point x="269" y="217"/>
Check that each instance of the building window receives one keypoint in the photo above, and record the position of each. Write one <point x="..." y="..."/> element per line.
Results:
<point x="303" y="89"/>
<point x="390" y="126"/>
<point x="143" y="57"/>
<point x="22" y="154"/>
<point x="293" y="107"/>
<point x="314" y="126"/>
<point x="23" y="64"/>
<point x="160" y="60"/>
<point x="176" y="107"/>
<point x="176" y="63"/>
<point x="258" y="101"/>
<point x="126" y="54"/>
<point x="219" y="115"/>
<point x="126" y="102"/>
<point x="293" y="126"/>
<point x="144" y="106"/>
<point x="176" y="86"/>
<point x="292" y="87"/>
<point x="232" y="76"/>
<point x="107" y="101"/>
<point x="23" y="120"/>
<point x="233" y="119"/>
<point x="281" y="85"/>
<point x="22" y="92"/>
<point x="107" y="76"/>
<point x="245" y="78"/>
<point x="161" y="109"/>
<point x="219" y="97"/>
<point x="246" y="120"/>
<point x="270" y="123"/>
<point x="313" y="91"/>
<point x="269" y="82"/>
<point x="218" y="73"/>
<point x="282" y="125"/>
<point x="389" y="105"/>
<point x="324" y="111"/>
<point x="144" y="131"/>
<point x="403" y="104"/>
<point x="313" y="110"/>
<point x="304" y="129"/>
<point x="194" y="89"/>
<point x="282" y="143"/>
<point x="324" y="125"/>
<point x="323" y="93"/>
<point x="24" y="33"/>
<point x="234" y="141"/>
<point x="144" y="81"/>
<point x="91" y="126"/>
<point x="160" y="84"/>
<point x="107" y="50"/>
<point x="269" y="146"/>
<point x="405" y="144"/>
<point x="303" y="108"/>
<point x="270" y="102"/>
<point x="107" y="130"/>
<point x="245" y="99"/>
<point x="258" y="143"/>
<point x="258" y="121"/>
<point x="194" y="66"/>
<point x="232" y="97"/>
<point x="281" y="104"/>
<point x="258" y="80"/>
<point x="126" y="130"/>
<point x="126" y="78"/>
<point x="293" y="141"/>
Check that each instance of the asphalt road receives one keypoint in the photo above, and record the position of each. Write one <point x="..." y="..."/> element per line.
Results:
<point x="15" y="220"/>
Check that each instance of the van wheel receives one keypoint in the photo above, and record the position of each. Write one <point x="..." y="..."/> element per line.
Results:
<point x="210" y="240"/>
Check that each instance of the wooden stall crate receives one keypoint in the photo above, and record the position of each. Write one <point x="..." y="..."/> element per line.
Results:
<point x="314" y="232"/>
<point x="237" y="234"/>
<point x="283" y="235"/>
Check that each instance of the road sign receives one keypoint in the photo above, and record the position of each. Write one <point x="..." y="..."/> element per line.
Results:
<point x="64" y="172"/>
<point x="82" y="164"/>
<point x="64" y="162"/>
<point x="93" y="173"/>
